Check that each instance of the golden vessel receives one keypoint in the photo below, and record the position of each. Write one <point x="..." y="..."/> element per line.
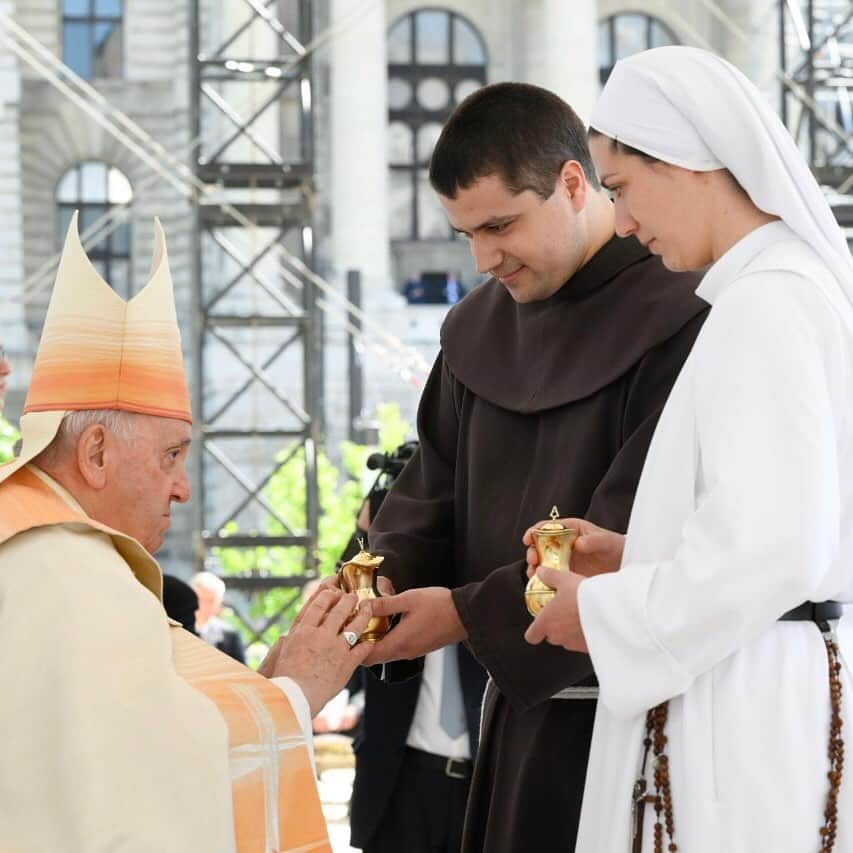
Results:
<point x="358" y="575"/>
<point x="554" y="542"/>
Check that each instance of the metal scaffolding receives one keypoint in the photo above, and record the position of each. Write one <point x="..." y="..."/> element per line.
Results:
<point x="816" y="51"/>
<point x="251" y="313"/>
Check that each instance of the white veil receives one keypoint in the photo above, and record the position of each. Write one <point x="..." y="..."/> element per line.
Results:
<point x="690" y="108"/>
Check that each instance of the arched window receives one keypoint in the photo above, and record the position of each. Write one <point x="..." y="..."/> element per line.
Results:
<point x="435" y="59"/>
<point x="92" y="37"/>
<point x="93" y="188"/>
<point x="626" y="33"/>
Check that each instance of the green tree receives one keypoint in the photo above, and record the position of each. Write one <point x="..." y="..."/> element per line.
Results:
<point x="341" y="492"/>
<point x="8" y="436"/>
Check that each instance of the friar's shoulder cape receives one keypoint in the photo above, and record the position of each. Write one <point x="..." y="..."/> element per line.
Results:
<point x="537" y="356"/>
<point x="118" y="732"/>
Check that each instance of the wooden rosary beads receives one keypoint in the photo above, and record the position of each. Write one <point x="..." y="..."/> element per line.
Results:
<point x="836" y="742"/>
<point x="655" y="725"/>
<point x="655" y="742"/>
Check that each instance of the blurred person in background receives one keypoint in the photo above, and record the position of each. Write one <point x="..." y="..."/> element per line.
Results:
<point x="210" y="590"/>
<point x="180" y="602"/>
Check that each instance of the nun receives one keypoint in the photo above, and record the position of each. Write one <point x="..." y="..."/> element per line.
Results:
<point x="714" y="625"/>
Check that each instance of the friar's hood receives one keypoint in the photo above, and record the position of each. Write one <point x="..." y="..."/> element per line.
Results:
<point x="536" y="356"/>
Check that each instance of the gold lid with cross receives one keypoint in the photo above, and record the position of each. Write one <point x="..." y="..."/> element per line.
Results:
<point x="364" y="557"/>
<point x="553" y="524"/>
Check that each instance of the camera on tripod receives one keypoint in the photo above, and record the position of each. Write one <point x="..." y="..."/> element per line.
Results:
<point x="391" y="464"/>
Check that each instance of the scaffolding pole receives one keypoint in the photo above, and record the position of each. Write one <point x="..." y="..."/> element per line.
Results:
<point x="249" y="429"/>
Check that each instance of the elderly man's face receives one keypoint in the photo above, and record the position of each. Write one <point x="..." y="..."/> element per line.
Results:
<point x="209" y="604"/>
<point x="144" y="477"/>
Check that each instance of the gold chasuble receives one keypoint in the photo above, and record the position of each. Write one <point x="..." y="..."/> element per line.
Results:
<point x="131" y="353"/>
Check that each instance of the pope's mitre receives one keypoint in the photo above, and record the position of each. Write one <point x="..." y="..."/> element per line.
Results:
<point x="99" y="352"/>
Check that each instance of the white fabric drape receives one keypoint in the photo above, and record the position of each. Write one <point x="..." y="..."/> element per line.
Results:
<point x="690" y="108"/>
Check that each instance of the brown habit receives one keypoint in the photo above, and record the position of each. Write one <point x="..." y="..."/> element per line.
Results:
<point x="527" y="406"/>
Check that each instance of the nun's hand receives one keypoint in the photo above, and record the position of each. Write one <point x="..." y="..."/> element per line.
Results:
<point x="559" y="621"/>
<point x="596" y="550"/>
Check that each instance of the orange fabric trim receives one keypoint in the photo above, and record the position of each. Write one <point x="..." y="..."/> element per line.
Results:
<point x="276" y="806"/>
<point x="26" y="502"/>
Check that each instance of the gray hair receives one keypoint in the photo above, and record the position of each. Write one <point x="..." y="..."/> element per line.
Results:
<point x="120" y="423"/>
<point x="210" y="581"/>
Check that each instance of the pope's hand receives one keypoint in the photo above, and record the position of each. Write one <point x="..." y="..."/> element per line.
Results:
<point x="559" y="621"/>
<point x="429" y="621"/>
<point x="314" y="653"/>
<point x="596" y="550"/>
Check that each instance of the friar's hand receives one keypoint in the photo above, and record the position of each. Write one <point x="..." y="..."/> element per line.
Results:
<point x="314" y="653"/>
<point x="596" y="550"/>
<point x="559" y="620"/>
<point x="429" y="621"/>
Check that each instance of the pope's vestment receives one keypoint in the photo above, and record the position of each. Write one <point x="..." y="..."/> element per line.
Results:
<point x="744" y="511"/>
<point x="120" y="731"/>
<point x="117" y="731"/>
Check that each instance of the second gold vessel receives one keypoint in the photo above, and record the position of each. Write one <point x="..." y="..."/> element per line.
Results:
<point x="554" y="542"/>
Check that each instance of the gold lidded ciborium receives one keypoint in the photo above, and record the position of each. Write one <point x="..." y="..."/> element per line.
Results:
<point x="358" y="575"/>
<point x="554" y="542"/>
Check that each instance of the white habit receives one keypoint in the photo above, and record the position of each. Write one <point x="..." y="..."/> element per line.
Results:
<point x="744" y="511"/>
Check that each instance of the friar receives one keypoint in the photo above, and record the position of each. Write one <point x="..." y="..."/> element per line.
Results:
<point x="547" y="389"/>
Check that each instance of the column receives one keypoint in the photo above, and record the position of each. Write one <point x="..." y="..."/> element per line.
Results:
<point x="751" y="39"/>
<point x="562" y="50"/>
<point x="358" y="122"/>
<point x="359" y="195"/>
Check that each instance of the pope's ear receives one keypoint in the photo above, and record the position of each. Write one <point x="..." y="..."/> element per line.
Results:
<point x="92" y="456"/>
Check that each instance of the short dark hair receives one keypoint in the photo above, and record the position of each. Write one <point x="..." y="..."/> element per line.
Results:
<point x="621" y="147"/>
<point x="521" y="133"/>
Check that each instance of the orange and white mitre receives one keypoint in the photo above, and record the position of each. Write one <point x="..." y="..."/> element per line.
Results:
<point x="109" y="695"/>
<point x="98" y="351"/>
